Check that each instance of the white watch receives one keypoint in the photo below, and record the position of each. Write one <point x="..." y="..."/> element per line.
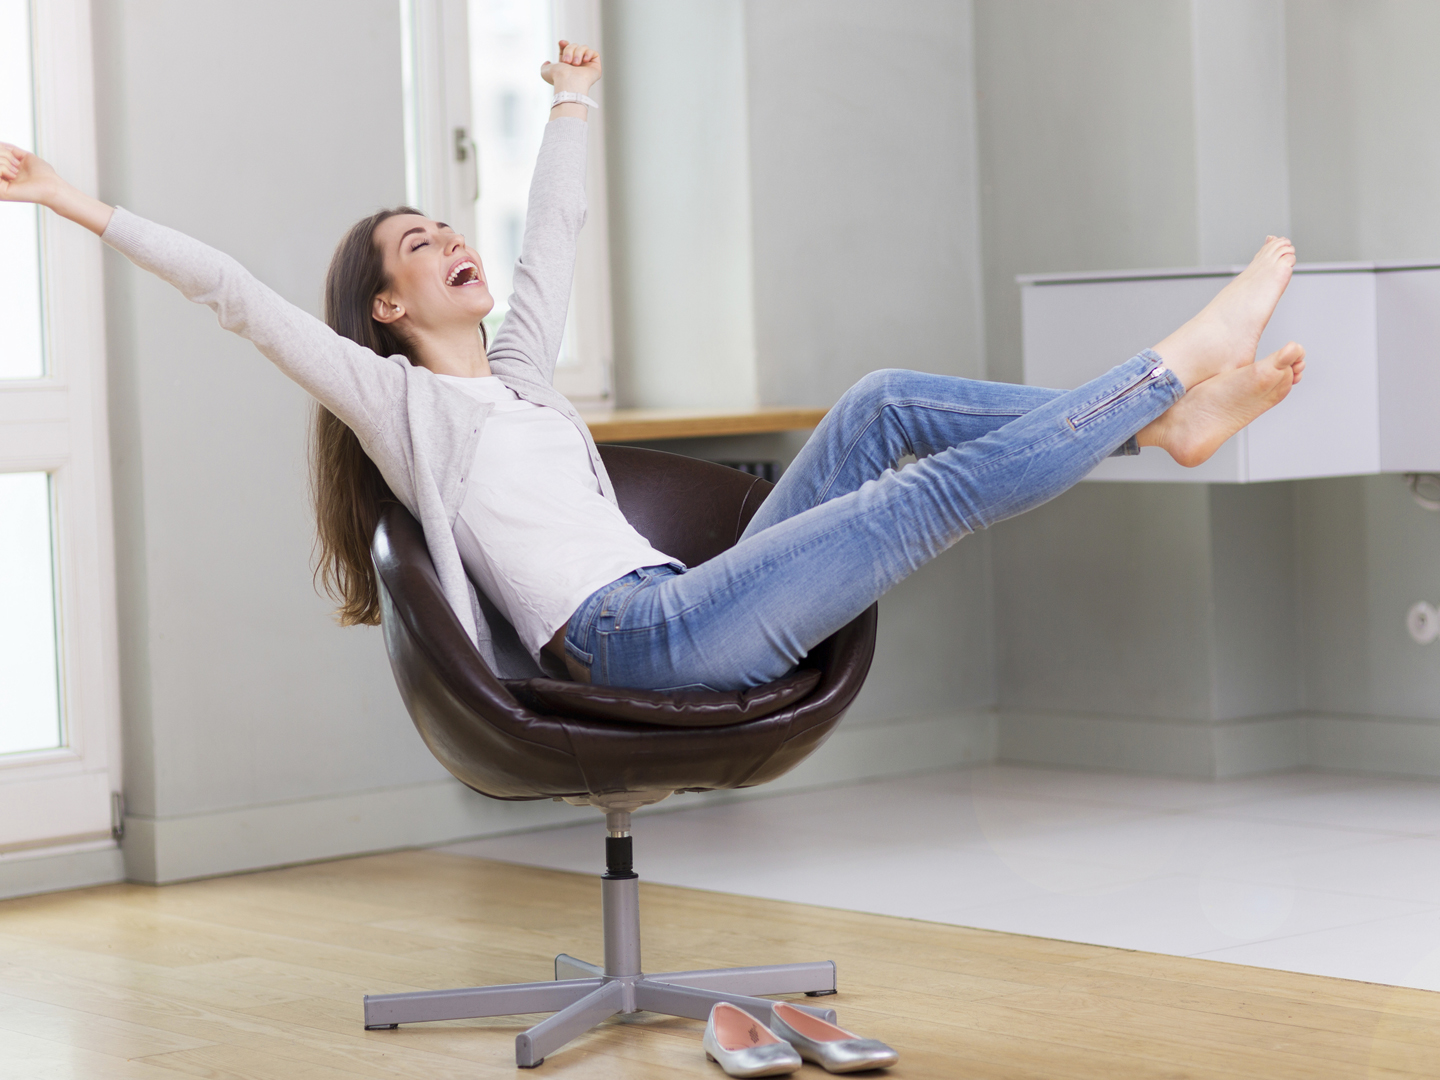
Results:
<point x="569" y="95"/>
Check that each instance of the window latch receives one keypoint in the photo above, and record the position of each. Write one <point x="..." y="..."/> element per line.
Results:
<point x="464" y="145"/>
<point x="467" y="151"/>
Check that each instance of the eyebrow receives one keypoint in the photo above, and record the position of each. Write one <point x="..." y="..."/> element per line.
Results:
<point x="419" y="229"/>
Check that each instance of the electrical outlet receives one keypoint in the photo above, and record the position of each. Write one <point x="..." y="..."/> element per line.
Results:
<point x="1423" y="622"/>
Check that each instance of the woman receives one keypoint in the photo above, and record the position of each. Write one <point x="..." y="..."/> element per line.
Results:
<point x="512" y="495"/>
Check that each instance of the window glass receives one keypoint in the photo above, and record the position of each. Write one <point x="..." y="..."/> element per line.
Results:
<point x="509" y="40"/>
<point x="21" y="353"/>
<point x="29" y="671"/>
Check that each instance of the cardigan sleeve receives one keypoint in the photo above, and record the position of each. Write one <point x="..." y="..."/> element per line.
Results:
<point x="350" y="380"/>
<point x="532" y="331"/>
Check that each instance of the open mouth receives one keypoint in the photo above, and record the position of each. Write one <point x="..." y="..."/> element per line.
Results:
<point x="464" y="273"/>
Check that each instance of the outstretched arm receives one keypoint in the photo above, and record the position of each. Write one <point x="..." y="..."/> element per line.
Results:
<point x="347" y="378"/>
<point x="531" y="334"/>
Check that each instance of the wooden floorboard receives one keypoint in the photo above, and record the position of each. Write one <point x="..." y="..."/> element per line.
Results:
<point x="260" y="977"/>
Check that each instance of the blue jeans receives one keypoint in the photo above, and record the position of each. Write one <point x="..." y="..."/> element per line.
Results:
<point x="843" y="526"/>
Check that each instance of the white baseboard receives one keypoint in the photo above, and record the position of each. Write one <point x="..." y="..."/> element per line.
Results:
<point x="49" y="870"/>
<point x="159" y="850"/>
<point x="1164" y="747"/>
<point x="1374" y="744"/>
<point x="871" y="751"/>
<point x="1395" y="746"/>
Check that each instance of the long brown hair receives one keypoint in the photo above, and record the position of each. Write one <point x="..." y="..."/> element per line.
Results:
<point x="345" y="486"/>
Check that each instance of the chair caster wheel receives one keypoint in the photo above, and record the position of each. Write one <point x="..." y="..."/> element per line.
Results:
<point x="820" y="993"/>
<point x="381" y="1027"/>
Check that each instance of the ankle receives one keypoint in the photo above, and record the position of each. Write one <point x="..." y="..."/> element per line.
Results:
<point x="1188" y="371"/>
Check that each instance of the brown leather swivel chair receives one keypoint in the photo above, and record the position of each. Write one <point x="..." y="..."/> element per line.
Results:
<point x="613" y="749"/>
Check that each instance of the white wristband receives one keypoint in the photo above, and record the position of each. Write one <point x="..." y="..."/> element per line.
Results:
<point x="569" y="95"/>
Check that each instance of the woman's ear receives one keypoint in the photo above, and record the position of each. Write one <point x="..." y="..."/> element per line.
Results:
<point x="383" y="310"/>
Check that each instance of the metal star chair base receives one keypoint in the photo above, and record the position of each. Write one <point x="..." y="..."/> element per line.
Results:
<point x="583" y="995"/>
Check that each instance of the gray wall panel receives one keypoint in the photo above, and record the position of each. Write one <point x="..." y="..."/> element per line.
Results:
<point x="863" y="171"/>
<point x="1102" y="603"/>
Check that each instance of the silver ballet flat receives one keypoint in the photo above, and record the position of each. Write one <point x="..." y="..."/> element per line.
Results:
<point x="832" y="1048"/>
<point x="743" y="1046"/>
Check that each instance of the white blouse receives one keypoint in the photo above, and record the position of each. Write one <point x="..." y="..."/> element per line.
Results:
<point x="534" y="532"/>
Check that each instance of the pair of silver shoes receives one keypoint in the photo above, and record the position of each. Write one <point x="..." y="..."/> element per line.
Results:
<point x="743" y="1046"/>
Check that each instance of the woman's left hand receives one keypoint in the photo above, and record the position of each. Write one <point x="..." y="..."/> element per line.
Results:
<point x="577" y="70"/>
<point x="25" y="177"/>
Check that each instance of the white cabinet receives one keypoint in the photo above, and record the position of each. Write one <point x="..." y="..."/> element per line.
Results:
<point x="1370" y="399"/>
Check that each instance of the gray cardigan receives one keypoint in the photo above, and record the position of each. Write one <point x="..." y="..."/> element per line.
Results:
<point x="418" y="431"/>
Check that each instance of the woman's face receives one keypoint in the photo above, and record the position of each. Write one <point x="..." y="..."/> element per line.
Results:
<point x="435" y="280"/>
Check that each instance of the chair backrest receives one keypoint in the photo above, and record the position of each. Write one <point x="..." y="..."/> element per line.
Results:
<point x="685" y="507"/>
<point x="500" y="745"/>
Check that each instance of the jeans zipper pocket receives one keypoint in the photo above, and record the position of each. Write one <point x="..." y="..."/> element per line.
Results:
<point x="1117" y="397"/>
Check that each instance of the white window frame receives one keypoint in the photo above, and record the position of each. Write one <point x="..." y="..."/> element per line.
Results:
<point x="442" y="167"/>
<point x="65" y="798"/>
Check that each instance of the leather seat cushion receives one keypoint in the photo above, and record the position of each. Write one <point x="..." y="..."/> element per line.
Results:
<point x="670" y="708"/>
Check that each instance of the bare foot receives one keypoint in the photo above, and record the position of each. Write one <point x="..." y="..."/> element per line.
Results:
<point x="1227" y="332"/>
<point x="1195" y="426"/>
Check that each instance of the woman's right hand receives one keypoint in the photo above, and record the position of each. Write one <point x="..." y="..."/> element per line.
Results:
<point x="26" y="177"/>
<point x="576" y="70"/>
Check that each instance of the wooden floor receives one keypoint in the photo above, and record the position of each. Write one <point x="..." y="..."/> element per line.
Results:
<point x="261" y="976"/>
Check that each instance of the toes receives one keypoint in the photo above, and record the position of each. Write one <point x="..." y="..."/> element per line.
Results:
<point x="1285" y="357"/>
<point x="1276" y="249"/>
<point x="1277" y="245"/>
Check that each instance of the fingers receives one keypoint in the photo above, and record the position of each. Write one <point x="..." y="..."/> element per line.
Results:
<point x="577" y="55"/>
<point x="11" y="158"/>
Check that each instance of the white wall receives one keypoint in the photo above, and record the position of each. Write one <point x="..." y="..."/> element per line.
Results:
<point x="864" y="171"/>
<point x="1364" y="128"/>
<point x="1242" y="177"/>
<point x="1087" y="145"/>
<point x="678" y="173"/>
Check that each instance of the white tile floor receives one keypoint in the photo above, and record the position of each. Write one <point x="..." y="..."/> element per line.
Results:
<point x="1316" y="872"/>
